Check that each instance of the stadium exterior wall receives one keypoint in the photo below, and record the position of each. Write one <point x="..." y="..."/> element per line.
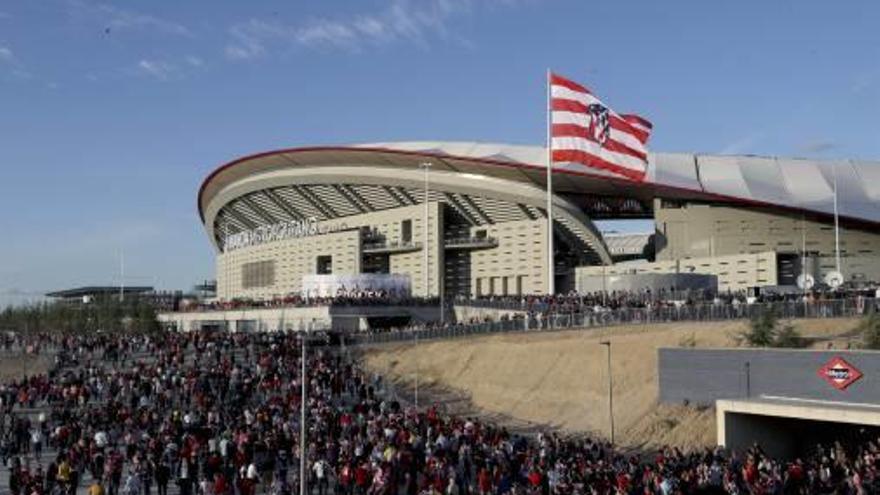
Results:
<point x="511" y="260"/>
<point x="743" y="219"/>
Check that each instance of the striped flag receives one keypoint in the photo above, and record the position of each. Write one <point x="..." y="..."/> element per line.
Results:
<point x="586" y="132"/>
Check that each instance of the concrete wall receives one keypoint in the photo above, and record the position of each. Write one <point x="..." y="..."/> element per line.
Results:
<point x="588" y="281"/>
<point x="517" y="266"/>
<point x="702" y="376"/>
<point x="351" y="318"/>
<point x="260" y="319"/>
<point x="695" y="233"/>
<point x="734" y="272"/>
<point x="297" y="257"/>
<point x="701" y="230"/>
<point x="293" y="258"/>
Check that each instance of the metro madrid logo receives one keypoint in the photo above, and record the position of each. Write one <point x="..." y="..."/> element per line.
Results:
<point x="839" y="373"/>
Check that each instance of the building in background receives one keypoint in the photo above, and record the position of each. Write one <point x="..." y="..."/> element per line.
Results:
<point x="277" y="217"/>
<point x="160" y="300"/>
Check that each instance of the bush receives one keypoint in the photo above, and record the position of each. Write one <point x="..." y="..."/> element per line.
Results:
<point x="764" y="331"/>
<point x="787" y="336"/>
<point x="689" y="340"/>
<point x="869" y="329"/>
<point x="761" y="329"/>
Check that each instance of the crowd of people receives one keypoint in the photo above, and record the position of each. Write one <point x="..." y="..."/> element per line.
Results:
<point x="219" y="414"/>
<point x="569" y="302"/>
<point x="354" y="297"/>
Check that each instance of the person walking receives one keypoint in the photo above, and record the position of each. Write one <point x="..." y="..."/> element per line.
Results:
<point x="163" y="474"/>
<point x="37" y="442"/>
<point x="96" y="488"/>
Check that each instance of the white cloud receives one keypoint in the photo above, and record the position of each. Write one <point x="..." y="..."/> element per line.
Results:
<point x="156" y="68"/>
<point x="113" y="18"/>
<point x="194" y="61"/>
<point x="167" y="69"/>
<point x="403" y="20"/>
<point x="6" y="54"/>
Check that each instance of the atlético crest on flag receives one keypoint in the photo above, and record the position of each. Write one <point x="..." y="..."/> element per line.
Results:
<point x="586" y="132"/>
<point x="598" y="130"/>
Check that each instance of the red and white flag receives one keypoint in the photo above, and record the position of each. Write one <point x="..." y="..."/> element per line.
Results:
<point x="586" y="132"/>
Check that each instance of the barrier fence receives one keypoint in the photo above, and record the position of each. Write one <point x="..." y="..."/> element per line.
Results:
<point x="586" y="319"/>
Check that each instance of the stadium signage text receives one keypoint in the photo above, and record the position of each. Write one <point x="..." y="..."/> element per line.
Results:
<point x="294" y="229"/>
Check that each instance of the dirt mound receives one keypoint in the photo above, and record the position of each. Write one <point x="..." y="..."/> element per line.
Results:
<point x="680" y="426"/>
<point x="558" y="379"/>
<point x="13" y="367"/>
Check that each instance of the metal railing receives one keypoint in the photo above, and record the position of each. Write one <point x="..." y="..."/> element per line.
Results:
<point x="837" y="308"/>
<point x="472" y="241"/>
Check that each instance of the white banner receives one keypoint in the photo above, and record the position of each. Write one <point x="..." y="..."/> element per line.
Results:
<point x="395" y="285"/>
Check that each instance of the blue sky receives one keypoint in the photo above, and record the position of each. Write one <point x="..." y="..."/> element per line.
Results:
<point x="111" y="113"/>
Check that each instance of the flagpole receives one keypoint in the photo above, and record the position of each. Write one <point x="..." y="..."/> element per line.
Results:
<point x="551" y="275"/>
<point x="836" y="222"/>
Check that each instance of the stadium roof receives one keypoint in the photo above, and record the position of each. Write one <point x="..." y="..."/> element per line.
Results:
<point x="793" y="184"/>
<point x="97" y="290"/>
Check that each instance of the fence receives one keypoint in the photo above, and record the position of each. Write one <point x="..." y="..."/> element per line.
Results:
<point x="835" y="308"/>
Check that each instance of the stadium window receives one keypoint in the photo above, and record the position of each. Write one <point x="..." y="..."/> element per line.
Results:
<point x="324" y="265"/>
<point x="406" y="231"/>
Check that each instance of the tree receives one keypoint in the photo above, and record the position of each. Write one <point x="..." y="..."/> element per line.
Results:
<point x="107" y="314"/>
<point x="761" y="329"/>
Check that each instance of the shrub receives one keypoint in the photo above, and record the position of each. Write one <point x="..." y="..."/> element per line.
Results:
<point x="764" y="331"/>
<point x="869" y="329"/>
<point x="689" y="340"/>
<point x="761" y="329"/>
<point x="787" y="336"/>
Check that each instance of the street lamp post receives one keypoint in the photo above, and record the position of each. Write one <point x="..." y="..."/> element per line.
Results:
<point x="418" y="368"/>
<point x="303" y="451"/>
<point x="607" y="344"/>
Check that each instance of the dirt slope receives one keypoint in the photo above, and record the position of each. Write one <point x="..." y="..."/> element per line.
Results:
<point x="558" y="379"/>
<point x="14" y="366"/>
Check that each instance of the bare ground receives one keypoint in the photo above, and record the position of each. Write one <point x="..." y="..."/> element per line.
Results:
<point x="14" y="366"/>
<point x="557" y="380"/>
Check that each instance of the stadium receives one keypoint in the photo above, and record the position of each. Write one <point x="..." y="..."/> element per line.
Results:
<point x="318" y="219"/>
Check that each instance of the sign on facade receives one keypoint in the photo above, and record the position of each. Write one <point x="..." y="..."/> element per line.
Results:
<point x="293" y="229"/>
<point x="396" y="285"/>
<point x="839" y="373"/>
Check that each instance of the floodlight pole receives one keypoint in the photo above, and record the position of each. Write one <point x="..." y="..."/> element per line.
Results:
<point x="607" y="344"/>
<point x="804" y="261"/>
<point x="426" y="166"/>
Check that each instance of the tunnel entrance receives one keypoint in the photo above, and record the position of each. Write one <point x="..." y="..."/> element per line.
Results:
<point x="790" y="429"/>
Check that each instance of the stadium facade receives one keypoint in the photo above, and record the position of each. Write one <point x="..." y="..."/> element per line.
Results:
<point x="277" y="219"/>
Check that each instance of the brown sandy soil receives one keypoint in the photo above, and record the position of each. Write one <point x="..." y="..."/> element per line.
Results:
<point x="558" y="379"/>
<point x="13" y="366"/>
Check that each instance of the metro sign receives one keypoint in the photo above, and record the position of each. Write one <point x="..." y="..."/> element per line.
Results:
<point x="839" y="373"/>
